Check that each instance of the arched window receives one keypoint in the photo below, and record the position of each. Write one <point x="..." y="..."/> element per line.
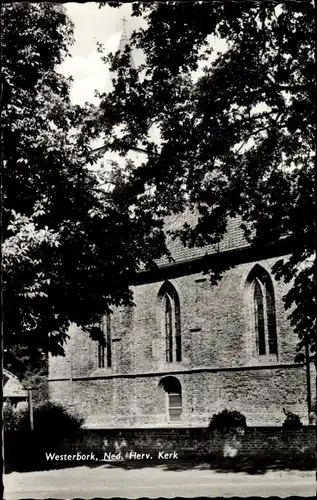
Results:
<point x="172" y="326"/>
<point x="262" y="294"/>
<point x="104" y="347"/>
<point x="168" y="312"/>
<point x="173" y="391"/>
<point x="259" y="315"/>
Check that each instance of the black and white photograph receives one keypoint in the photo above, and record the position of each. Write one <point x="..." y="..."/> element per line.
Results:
<point x="158" y="249"/>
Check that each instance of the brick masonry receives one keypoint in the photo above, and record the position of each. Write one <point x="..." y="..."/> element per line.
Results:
<point x="252" y="448"/>
<point x="220" y="367"/>
<point x="200" y="443"/>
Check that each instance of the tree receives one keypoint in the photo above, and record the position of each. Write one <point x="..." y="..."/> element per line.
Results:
<point x="237" y="137"/>
<point x="67" y="254"/>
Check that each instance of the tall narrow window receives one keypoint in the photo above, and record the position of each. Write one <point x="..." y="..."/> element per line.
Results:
<point x="101" y="355"/>
<point x="104" y="347"/>
<point x="173" y="393"/>
<point x="259" y="316"/>
<point x="169" y="302"/>
<point x="271" y="321"/>
<point x="108" y="340"/>
<point x="178" y="335"/>
<point x="174" y="406"/>
<point x="264" y="311"/>
<point x="168" y="328"/>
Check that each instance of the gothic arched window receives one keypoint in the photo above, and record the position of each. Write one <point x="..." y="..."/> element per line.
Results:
<point x="172" y="326"/>
<point x="264" y="310"/>
<point x="104" y="347"/>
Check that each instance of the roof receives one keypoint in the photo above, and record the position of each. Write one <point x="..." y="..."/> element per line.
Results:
<point x="233" y="238"/>
<point x="12" y="387"/>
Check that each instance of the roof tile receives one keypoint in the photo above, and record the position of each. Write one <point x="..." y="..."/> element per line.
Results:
<point x="233" y="238"/>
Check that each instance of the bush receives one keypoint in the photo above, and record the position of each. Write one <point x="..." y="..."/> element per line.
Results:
<point x="10" y="417"/>
<point x="227" y="420"/>
<point x="50" y="418"/>
<point x="292" y="422"/>
<point x="55" y="430"/>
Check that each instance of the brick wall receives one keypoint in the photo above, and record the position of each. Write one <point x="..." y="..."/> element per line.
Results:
<point x="200" y="443"/>
<point x="256" y="446"/>
<point x="136" y="401"/>
<point x="220" y="367"/>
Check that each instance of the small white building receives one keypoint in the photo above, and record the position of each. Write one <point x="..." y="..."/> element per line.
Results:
<point x="13" y="391"/>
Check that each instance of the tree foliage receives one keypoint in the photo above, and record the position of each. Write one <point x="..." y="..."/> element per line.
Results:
<point x="237" y="128"/>
<point x="50" y="419"/>
<point x="236" y="139"/>
<point x="227" y="421"/>
<point x="68" y="254"/>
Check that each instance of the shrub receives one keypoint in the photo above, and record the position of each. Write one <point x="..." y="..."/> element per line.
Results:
<point x="227" y="420"/>
<point x="50" y="418"/>
<point x="292" y="422"/>
<point x="55" y="429"/>
<point x="10" y="417"/>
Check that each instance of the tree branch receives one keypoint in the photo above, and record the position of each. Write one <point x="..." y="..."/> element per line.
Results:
<point x="128" y="148"/>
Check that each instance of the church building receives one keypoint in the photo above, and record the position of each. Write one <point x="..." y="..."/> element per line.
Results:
<point x="188" y="349"/>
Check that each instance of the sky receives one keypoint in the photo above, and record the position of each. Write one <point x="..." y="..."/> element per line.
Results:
<point x="105" y="25"/>
<point x="92" y="24"/>
<point x="89" y="72"/>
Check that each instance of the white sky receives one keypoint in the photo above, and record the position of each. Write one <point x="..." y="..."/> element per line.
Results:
<point x="91" y="25"/>
<point x="89" y="72"/>
<point x="103" y="25"/>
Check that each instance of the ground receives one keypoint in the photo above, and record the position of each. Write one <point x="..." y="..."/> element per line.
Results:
<point x="108" y="481"/>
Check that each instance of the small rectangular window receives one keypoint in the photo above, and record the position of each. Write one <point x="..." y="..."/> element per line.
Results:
<point x="175" y="407"/>
<point x="175" y="414"/>
<point x="175" y="401"/>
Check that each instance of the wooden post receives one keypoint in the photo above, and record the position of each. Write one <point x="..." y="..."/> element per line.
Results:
<point x="308" y="377"/>
<point x="31" y="408"/>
